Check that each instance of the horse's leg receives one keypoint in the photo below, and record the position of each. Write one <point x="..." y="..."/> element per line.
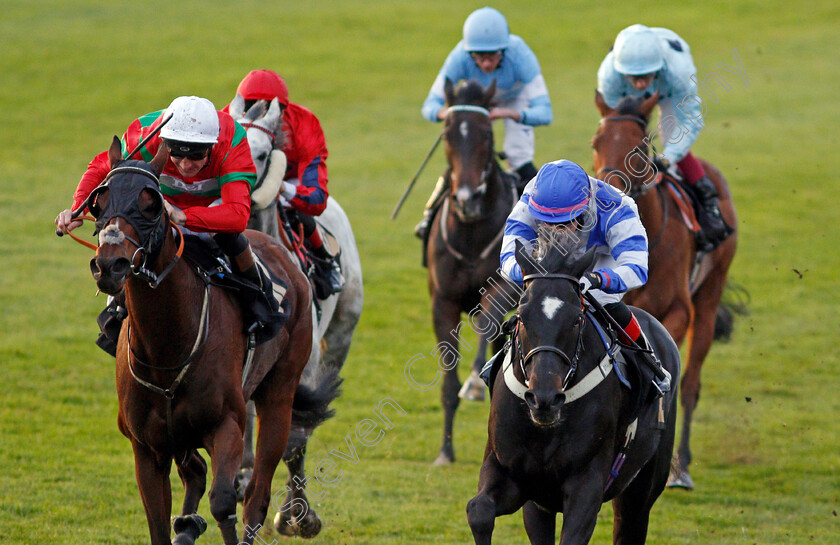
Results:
<point x="539" y="524"/>
<point x="193" y="475"/>
<point x="582" y="496"/>
<point x="246" y="467"/>
<point x="488" y="322"/>
<point x="274" y="411"/>
<point x="445" y="314"/>
<point x="297" y="515"/>
<point x="152" y="473"/>
<point x="497" y="495"/>
<point x="677" y="320"/>
<point x="225" y="452"/>
<point x="706" y="301"/>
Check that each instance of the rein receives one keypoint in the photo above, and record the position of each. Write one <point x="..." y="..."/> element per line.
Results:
<point x="263" y="129"/>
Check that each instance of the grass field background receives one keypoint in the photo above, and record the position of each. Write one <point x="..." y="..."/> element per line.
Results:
<point x="75" y="72"/>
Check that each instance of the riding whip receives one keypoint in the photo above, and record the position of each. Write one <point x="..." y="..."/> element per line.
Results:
<point x="413" y="180"/>
<point x="77" y="212"/>
<point x="658" y="371"/>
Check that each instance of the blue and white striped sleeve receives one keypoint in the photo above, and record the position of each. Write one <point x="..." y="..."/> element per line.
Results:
<point x="522" y="227"/>
<point x="627" y="240"/>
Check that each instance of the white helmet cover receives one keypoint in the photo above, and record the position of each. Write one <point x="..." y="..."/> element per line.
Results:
<point x="194" y="120"/>
<point x="637" y="51"/>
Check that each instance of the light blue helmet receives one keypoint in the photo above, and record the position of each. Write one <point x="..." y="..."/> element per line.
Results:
<point x="486" y="29"/>
<point x="637" y="51"/>
<point x="560" y="192"/>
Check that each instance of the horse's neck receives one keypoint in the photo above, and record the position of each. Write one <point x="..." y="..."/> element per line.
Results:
<point x="651" y="210"/>
<point x="169" y="314"/>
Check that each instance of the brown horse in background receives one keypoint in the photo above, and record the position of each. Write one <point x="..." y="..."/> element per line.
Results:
<point x="465" y="240"/>
<point x="682" y="292"/>
<point x="181" y="359"/>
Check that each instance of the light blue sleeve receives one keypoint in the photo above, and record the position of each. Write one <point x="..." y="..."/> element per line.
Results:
<point x="534" y="90"/>
<point x="454" y="69"/>
<point x="685" y="105"/>
<point x="610" y="82"/>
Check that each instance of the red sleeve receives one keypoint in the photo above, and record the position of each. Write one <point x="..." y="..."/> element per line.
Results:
<point x="96" y="172"/>
<point x="229" y="217"/>
<point x="311" y="149"/>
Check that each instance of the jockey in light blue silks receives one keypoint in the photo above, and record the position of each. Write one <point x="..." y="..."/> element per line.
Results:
<point x="568" y="207"/>
<point x="490" y="52"/>
<point x="644" y="61"/>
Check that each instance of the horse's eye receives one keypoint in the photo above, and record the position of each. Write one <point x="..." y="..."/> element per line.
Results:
<point x="262" y="157"/>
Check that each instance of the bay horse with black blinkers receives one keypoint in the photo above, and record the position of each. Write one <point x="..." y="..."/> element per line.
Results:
<point x="180" y="359"/>
<point x="684" y="297"/>
<point x="561" y="435"/>
<point x="465" y="240"/>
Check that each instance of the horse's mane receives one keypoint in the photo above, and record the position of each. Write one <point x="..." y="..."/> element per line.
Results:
<point x="631" y="106"/>
<point x="469" y="92"/>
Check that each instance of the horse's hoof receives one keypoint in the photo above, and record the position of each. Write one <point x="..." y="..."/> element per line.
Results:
<point x="310" y="526"/>
<point x="473" y="388"/>
<point x="443" y="460"/>
<point x="680" y="479"/>
<point x="285" y="526"/>
<point x="243" y="477"/>
<point x="188" y="529"/>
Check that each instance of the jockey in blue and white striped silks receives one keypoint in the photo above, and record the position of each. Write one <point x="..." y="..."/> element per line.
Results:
<point x="607" y="219"/>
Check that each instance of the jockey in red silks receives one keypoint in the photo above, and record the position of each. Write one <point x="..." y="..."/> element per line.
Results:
<point x="304" y="191"/>
<point x="209" y="164"/>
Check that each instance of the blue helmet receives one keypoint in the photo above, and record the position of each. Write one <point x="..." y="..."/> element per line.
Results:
<point x="486" y="29"/>
<point x="637" y="51"/>
<point x="560" y="192"/>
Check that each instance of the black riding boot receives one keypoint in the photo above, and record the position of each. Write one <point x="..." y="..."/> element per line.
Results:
<point x="327" y="269"/>
<point x="110" y="323"/>
<point x="662" y="385"/>
<point x="526" y="173"/>
<point x="709" y="215"/>
<point x="437" y="196"/>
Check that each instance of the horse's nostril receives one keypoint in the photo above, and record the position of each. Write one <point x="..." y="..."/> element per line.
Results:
<point x="94" y="269"/>
<point x="559" y="399"/>
<point x="531" y="399"/>
<point x="121" y="267"/>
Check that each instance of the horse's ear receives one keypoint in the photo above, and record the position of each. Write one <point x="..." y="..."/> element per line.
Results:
<point x="272" y="116"/>
<point x="257" y="110"/>
<point x="647" y="106"/>
<point x="115" y="151"/>
<point x="160" y="158"/>
<point x="237" y="107"/>
<point x="523" y="257"/>
<point x="601" y="104"/>
<point x="584" y="263"/>
<point x="490" y="92"/>
<point x="449" y="91"/>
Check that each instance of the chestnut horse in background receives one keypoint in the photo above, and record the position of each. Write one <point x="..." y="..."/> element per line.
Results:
<point x="181" y="359"/>
<point x="465" y="240"/>
<point x="682" y="291"/>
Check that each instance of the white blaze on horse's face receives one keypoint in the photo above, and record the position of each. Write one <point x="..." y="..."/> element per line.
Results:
<point x="550" y="306"/>
<point x="464" y="128"/>
<point x="261" y="146"/>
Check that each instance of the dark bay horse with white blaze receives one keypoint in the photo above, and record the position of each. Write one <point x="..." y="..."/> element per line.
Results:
<point x="684" y="297"/>
<point x="181" y="357"/>
<point x="563" y="434"/>
<point x="464" y="244"/>
<point x="334" y="325"/>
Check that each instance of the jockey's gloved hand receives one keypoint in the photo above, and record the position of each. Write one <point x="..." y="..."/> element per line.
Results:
<point x="590" y="281"/>
<point x="665" y="165"/>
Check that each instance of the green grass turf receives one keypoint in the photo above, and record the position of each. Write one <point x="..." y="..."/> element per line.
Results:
<point x="75" y="72"/>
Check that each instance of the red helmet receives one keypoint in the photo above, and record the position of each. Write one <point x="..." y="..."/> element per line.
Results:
<point x="264" y="85"/>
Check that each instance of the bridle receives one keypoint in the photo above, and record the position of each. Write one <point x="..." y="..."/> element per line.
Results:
<point x="491" y="160"/>
<point x="571" y="362"/>
<point x="246" y="125"/>
<point x="637" y="190"/>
